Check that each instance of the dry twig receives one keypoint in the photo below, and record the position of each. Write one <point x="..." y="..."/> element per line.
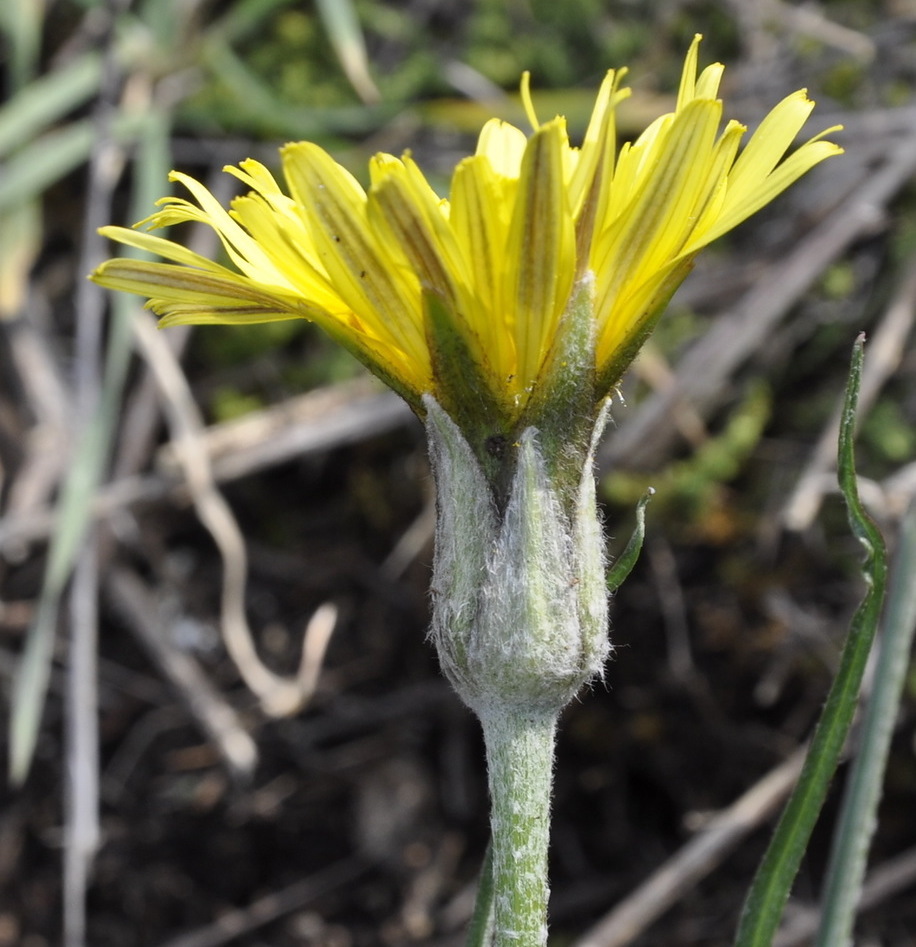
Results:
<point x="696" y="859"/>
<point x="279" y="696"/>
<point x="895" y="875"/>
<point x="241" y="921"/>
<point x="139" y="609"/>
<point x="319" y="421"/>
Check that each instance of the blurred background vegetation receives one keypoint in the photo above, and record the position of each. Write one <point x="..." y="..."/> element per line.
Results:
<point x="155" y="801"/>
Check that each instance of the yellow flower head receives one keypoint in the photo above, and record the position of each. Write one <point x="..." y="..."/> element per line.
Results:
<point x="435" y="294"/>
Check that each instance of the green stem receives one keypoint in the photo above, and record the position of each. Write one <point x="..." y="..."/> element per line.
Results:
<point x="520" y="764"/>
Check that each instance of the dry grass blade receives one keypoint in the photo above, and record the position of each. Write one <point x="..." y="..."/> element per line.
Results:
<point x="313" y="423"/>
<point x="241" y="921"/>
<point x="885" y="881"/>
<point x="279" y="696"/>
<point x="885" y="352"/>
<point x="342" y="23"/>
<point x="48" y="402"/>
<point x="137" y="605"/>
<point x="324" y="418"/>
<point x="696" y="859"/>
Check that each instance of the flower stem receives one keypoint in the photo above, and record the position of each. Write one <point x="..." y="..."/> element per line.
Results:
<point x="520" y="763"/>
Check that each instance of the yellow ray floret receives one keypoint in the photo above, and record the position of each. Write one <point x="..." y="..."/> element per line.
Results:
<point x="526" y="218"/>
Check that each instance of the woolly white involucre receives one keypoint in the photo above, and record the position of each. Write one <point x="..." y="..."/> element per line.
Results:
<point x="519" y="597"/>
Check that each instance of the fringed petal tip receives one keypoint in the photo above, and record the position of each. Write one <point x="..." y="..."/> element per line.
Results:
<point x="526" y="216"/>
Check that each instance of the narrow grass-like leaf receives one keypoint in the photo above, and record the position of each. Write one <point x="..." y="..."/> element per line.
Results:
<point x="20" y="238"/>
<point x="260" y="103"/>
<point x="346" y="36"/>
<point x="21" y="22"/>
<point x="243" y="18"/>
<point x="74" y="510"/>
<point x="627" y="559"/>
<point x="48" y="100"/>
<point x="50" y="157"/>
<point x="857" y="821"/>
<point x="480" y="930"/>
<point x="773" y="881"/>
